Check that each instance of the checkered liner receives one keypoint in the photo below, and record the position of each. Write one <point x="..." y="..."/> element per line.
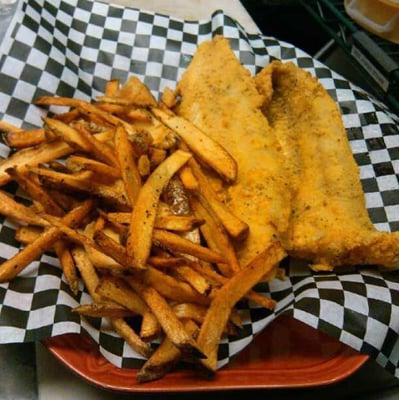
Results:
<point x="71" y="48"/>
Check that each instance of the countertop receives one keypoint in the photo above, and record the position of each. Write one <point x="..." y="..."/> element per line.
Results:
<point x="29" y="371"/>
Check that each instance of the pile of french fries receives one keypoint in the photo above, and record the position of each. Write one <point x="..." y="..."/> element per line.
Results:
<point x="120" y="193"/>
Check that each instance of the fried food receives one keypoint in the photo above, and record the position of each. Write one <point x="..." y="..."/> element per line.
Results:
<point x="329" y="224"/>
<point x="219" y="97"/>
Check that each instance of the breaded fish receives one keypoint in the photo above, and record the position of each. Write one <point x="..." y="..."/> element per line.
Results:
<point x="329" y="224"/>
<point x="219" y="96"/>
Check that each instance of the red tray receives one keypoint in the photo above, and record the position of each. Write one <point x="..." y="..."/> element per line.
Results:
<point x="287" y="354"/>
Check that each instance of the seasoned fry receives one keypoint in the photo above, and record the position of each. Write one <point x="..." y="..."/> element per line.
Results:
<point x="138" y="115"/>
<point x="12" y="267"/>
<point x="178" y="244"/>
<point x="206" y="270"/>
<point x="166" y="262"/>
<point x="7" y="127"/>
<point x="23" y="139"/>
<point x="169" y="97"/>
<point x="33" y="156"/>
<point x="80" y="181"/>
<point x="87" y="272"/>
<point x="144" y="213"/>
<point x="99" y="310"/>
<point x="134" y="341"/>
<point x="172" y="327"/>
<point x="102" y="171"/>
<point x="216" y="238"/>
<point x="150" y="327"/>
<point x="130" y="174"/>
<point x="135" y="92"/>
<point x="81" y="105"/>
<point x="69" y="116"/>
<point x="209" y="151"/>
<point x="144" y="165"/>
<point x="18" y="212"/>
<point x="233" y="225"/>
<point x="100" y="150"/>
<point x="115" y="289"/>
<point x="177" y="223"/>
<point x="171" y="288"/>
<point x="164" y="358"/>
<point x="114" y="250"/>
<point x="30" y="184"/>
<point x="99" y="259"/>
<point x="67" y="264"/>
<point x="225" y="299"/>
<point x="188" y="179"/>
<point x="27" y="234"/>
<point x="111" y="87"/>
<point x="193" y="278"/>
<point x="156" y="156"/>
<point x="68" y="134"/>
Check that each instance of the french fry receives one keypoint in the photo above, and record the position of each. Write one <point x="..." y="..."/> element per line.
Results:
<point x="216" y="238"/>
<point x="113" y="108"/>
<point x="144" y="165"/>
<point x="68" y="116"/>
<point x="30" y="184"/>
<point x="102" y="170"/>
<point x="135" y="92"/>
<point x="188" y="179"/>
<point x="214" y="277"/>
<point x="178" y="223"/>
<point x="130" y="174"/>
<point x="170" y="287"/>
<point x="100" y="150"/>
<point x="178" y="244"/>
<point x="171" y="325"/>
<point x="169" y="97"/>
<point x="138" y="115"/>
<point x="144" y="213"/>
<point x="156" y="156"/>
<point x="18" y="212"/>
<point x="23" y="139"/>
<point x="98" y="258"/>
<point x="205" y="148"/>
<point x="87" y="272"/>
<point x="161" y="136"/>
<point x="65" y="201"/>
<point x="140" y="140"/>
<point x="166" y="262"/>
<point x="68" y="265"/>
<point x="114" y="250"/>
<point x="8" y="127"/>
<point x="68" y="134"/>
<point x="234" y="226"/>
<point x="33" y="156"/>
<point x="192" y="277"/>
<point x="80" y="181"/>
<point x="111" y="87"/>
<point x="100" y="310"/>
<point x="117" y="290"/>
<point x="27" y="234"/>
<point x="164" y="358"/>
<point x="133" y="340"/>
<point x="226" y="298"/>
<point x="12" y="267"/>
<point x="150" y="327"/>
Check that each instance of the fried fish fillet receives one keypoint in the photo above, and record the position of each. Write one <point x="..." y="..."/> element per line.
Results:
<point x="219" y="96"/>
<point x="329" y="223"/>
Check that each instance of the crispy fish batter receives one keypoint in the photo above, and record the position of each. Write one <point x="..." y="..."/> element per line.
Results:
<point x="219" y="96"/>
<point x="329" y="223"/>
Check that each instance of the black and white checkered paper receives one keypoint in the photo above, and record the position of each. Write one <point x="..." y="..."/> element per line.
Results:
<point x="71" y="48"/>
